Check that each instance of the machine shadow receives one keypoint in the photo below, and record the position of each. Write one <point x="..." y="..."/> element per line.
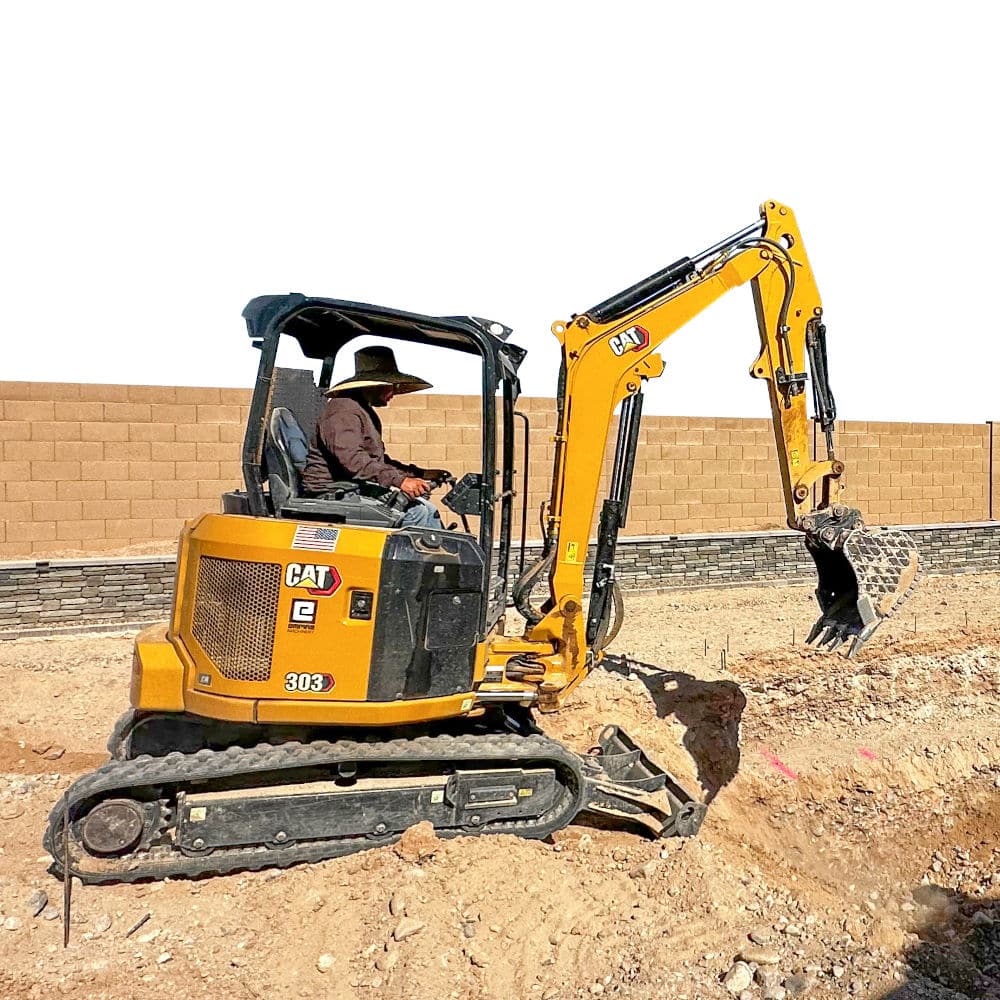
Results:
<point x="958" y="954"/>
<point x="710" y="712"/>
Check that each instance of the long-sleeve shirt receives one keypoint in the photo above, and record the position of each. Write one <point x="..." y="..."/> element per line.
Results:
<point x="348" y="445"/>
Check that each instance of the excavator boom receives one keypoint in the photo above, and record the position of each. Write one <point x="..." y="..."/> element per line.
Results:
<point x="610" y="350"/>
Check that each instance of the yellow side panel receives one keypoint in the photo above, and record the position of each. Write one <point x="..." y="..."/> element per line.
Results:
<point x="157" y="673"/>
<point x="371" y="713"/>
<point x="301" y="596"/>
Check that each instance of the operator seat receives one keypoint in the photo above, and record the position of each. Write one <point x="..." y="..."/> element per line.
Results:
<point x="285" y="453"/>
<point x="290" y="448"/>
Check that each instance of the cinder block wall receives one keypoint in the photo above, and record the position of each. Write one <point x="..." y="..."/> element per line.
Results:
<point x="86" y="469"/>
<point x="96" y="468"/>
<point x="994" y="493"/>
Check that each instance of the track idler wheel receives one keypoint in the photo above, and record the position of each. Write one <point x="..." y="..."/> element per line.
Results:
<point x="113" y="827"/>
<point x="864" y="575"/>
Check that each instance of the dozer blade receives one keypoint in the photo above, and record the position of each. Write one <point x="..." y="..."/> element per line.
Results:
<point x="864" y="577"/>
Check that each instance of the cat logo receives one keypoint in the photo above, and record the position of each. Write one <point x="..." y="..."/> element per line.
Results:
<point x="318" y="581"/>
<point x="635" y="338"/>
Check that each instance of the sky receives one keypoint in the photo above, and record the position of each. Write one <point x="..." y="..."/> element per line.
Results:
<point x="165" y="163"/>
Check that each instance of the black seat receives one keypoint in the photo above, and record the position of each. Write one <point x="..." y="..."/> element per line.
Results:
<point x="287" y="456"/>
<point x="286" y="451"/>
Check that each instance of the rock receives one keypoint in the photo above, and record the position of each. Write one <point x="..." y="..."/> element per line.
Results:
<point x="418" y="842"/>
<point x="775" y="993"/>
<point x="477" y="959"/>
<point x="597" y="989"/>
<point x="792" y="930"/>
<point x="387" y="959"/>
<point x="163" y="958"/>
<point x="798" y="984"/>
<point x="982" y="919"/>
<point x="325" y="962"/>
<point x="50" y="913"/>
<point x="738" y="978"/>
<point x="761" y="935"/>
<point x="148" y="938"/>
<point x="838" y="972"/>
<point x="397" y="904"/>
<point x="102" y="924"/>
<point x="468" y="929"/>
<point x="37" y="902"/>
<point x="762" y="956"/>
<point x="768" y="978"/>
<point x="407" y="927"/>
<point x="10" y="810"/>
<point x="647" y="870"/>
<point x="12" y="924"/>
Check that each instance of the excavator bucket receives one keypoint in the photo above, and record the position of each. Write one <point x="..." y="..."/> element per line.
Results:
<point x="864" y="577"/>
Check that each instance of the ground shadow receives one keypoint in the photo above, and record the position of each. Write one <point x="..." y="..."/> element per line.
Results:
<point x="958" y="955"/>
<point x="710" y="711"/>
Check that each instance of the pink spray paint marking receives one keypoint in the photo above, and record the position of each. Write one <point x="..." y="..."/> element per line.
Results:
<point x="778" y="765"/>
<point x="867" y="754"/>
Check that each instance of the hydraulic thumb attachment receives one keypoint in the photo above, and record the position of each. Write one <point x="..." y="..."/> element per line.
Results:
<point x="864" y="575"/>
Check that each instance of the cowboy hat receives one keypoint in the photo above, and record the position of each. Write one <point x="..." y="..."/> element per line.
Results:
<point x="375" y="366"/>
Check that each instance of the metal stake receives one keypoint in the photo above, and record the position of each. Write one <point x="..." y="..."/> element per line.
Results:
<point x="67" y="874"/>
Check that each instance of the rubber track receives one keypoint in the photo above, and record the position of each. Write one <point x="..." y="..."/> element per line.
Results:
<point x="199" y="770"/>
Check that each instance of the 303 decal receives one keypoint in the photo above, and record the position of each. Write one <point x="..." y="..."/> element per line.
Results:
<point x="305" y="682"/>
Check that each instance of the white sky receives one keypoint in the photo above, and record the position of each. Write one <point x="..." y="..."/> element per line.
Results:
<point x="165" y="163"/>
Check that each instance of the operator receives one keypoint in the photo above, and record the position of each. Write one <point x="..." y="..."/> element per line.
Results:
<point x="348" y="444"/>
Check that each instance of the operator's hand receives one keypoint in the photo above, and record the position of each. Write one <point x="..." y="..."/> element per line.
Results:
<point x="415" y="488"/>
<point x="437" y="475"/>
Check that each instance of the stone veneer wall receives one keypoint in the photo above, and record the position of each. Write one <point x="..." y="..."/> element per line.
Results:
<point x="80" y="595"/>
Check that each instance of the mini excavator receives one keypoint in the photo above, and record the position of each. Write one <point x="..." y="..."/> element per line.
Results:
<point x="328" y="678"/>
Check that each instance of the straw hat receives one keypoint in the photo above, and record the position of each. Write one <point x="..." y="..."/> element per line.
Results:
<point x="375" y="366"/>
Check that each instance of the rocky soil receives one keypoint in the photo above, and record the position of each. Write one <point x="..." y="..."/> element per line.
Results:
<point x="851" y="846"/>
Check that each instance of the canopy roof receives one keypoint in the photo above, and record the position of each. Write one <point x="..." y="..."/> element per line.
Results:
<point x="323" y="326"/>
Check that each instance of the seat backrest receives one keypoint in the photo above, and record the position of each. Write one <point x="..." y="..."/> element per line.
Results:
<point x="286" y="456"/>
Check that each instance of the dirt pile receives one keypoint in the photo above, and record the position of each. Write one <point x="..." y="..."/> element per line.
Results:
<point x="851" y="846"/>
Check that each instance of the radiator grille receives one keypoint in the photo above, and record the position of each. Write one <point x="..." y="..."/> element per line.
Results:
<point x="235" y="609"/>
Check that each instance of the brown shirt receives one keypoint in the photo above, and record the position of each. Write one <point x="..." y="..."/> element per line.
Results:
<point x="348" y="445"/>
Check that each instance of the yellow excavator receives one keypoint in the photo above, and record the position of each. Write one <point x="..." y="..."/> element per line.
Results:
<point x="329" y="678"/>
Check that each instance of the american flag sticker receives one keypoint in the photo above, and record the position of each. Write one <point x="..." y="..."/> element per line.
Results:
<point x="315" y="539"/>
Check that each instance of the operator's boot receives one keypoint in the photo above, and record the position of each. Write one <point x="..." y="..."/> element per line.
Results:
<point x="864" y="575"/>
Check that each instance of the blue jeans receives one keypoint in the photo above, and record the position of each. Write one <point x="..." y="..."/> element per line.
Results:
<point x="422" y="514"/>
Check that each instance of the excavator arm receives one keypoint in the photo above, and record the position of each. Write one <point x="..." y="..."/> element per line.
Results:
<point x="611" y="350"/>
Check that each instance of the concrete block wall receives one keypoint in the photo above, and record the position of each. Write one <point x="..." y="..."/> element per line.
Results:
<point x="90" y="469"/>
<point x="917" y="473"/>
<point x="96" y="468"/>
<point x="994" y="463"/>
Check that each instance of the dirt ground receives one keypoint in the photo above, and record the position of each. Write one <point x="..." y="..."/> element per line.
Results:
<point x="851" y="846"/>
